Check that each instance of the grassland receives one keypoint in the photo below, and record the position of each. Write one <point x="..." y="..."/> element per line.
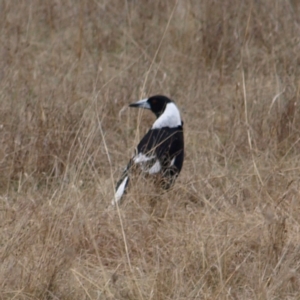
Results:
<point x="229" y="229"/>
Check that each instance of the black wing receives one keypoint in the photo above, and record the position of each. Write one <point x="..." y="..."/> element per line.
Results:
<point x="167" y="144"/>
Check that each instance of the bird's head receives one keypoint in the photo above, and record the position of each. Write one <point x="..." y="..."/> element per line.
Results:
<point x="157" y="104"/>
<point x="164" y="108"/>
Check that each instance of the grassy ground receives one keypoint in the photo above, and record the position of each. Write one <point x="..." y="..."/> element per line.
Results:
<point x="229" y="229"/>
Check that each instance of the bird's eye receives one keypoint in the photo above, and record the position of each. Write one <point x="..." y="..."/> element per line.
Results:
<point x="154" y="101"/>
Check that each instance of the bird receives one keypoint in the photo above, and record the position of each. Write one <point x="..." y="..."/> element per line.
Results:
<point x="161" y="150"/>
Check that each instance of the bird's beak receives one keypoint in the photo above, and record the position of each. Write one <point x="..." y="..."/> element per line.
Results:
<point x="141" y="104"/>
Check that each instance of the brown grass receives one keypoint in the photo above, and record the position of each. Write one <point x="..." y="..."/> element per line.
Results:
<point x="229" y="229"/>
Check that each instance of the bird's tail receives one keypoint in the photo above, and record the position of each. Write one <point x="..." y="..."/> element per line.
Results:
<point x="122" y="184"/>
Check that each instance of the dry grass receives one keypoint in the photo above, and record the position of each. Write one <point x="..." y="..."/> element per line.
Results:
<point x="230" y="227"/>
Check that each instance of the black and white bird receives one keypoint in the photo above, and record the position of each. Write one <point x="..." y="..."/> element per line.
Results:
<point x="161" y="150"/>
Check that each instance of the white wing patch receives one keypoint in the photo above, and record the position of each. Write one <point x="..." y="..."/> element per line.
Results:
<point x="169" y="118"/>
<point x="142" y="158"/>
<point x="120" y="191"/>
<point x="155" y="168"/>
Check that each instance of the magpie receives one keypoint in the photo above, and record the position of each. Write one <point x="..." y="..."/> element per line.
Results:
<point x="161" y="150"/>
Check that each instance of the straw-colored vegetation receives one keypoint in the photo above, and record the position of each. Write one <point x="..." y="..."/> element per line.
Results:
<point x="229" y="229"/>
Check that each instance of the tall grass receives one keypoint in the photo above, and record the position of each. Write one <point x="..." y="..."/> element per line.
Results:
<point x="229" y="229"/>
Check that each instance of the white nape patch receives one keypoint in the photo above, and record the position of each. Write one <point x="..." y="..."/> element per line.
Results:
<point x="155" y="168"/>
<point x="141" y="158"/>
<point x="169" y="118"/>
<point x="120" y="191"/>
<point x="172" y="162"/>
